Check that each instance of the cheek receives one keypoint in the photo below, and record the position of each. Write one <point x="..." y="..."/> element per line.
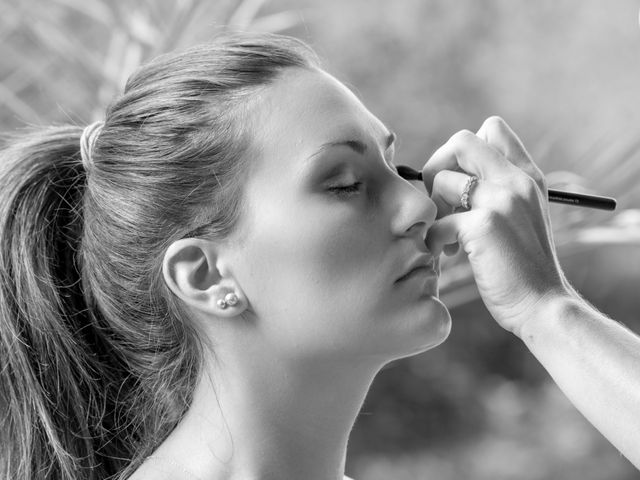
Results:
<point x="317" y="271"/>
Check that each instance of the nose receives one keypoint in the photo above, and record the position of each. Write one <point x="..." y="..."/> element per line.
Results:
<point x="414" y="211"/>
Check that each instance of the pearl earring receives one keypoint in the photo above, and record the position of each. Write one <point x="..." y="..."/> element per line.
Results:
<point x="230" y="299"/>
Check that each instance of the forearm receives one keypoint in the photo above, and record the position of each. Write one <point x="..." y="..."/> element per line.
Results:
<point x="596" y="363"/>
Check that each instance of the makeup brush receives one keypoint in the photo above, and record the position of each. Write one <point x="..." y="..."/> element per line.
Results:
<point x="555" y="196"/>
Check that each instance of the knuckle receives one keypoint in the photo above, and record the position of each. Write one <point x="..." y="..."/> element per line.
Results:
<point x="489" y="219"/>
<point x="495" y="124"/>
<point x="439" y="176"/>
<point x="519" y="192"/>
<point x="461" y="137"/>
<point x="495" y="121"/>
<point x="542" y="183"/>
<point x="531" y="188"/>
<point x="523" y="184"/>
<point x="540" y="178"/>
<point x="502" y="196"/>
<point x="437" y="181"/>
<point x="461" y="141"/>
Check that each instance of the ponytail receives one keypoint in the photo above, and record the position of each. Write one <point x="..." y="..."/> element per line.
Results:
<point x="49" y="380"/>
<point x="98" y="359"/>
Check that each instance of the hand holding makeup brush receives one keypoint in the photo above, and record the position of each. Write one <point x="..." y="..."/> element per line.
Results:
<point x="505" y="231"/>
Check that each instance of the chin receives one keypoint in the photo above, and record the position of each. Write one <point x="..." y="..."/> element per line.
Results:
<point x="432" y="328"/>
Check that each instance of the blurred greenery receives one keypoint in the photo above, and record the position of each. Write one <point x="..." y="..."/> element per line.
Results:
<point x="563" y="73"/>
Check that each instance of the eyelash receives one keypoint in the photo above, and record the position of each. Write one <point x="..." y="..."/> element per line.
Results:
<point x="346" y="190"/>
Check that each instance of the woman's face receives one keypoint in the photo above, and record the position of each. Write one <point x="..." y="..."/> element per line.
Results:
<point x="329" y="228"/>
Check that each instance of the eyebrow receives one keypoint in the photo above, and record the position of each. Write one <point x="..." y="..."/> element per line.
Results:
<point x="355" y="145"/>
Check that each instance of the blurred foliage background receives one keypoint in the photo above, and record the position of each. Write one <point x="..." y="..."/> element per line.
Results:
<point x="565" y="74"/>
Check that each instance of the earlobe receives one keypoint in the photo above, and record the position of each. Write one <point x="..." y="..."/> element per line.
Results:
<point x="190" y="270"/>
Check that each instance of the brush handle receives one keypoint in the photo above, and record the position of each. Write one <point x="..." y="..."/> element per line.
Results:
<point x="555" y="196"/>
<point x="582" y="199"/>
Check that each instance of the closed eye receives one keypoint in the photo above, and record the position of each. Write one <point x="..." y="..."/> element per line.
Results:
<point x="345" y="190"/>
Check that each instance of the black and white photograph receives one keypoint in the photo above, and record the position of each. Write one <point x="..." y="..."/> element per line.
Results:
<point x="319" y="240"/>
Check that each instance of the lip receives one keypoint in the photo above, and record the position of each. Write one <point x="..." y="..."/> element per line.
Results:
<point x="422" y="264"/>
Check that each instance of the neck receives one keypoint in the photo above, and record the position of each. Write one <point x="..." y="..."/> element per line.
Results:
<point x="270" y="419"/>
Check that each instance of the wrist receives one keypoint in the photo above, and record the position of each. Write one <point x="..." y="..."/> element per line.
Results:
<point x="550" y="312"/>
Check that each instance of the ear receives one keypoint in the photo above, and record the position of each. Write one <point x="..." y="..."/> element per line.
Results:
<point x="191" y="271"/>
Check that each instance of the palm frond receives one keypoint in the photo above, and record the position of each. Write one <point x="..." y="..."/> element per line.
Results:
<point x="96" y="45"/>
